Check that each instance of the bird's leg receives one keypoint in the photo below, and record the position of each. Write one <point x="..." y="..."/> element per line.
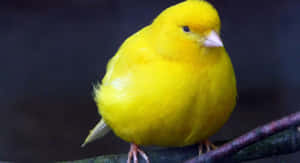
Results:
<point x="200" y="149"/>
<point x="134" y="150"/>
<point x="208" y="146"/>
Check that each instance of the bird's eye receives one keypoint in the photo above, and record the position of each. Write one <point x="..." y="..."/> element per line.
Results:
<point x="186" y="29"/>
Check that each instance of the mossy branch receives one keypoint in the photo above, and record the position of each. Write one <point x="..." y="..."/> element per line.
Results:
<point x="253" y="145"/>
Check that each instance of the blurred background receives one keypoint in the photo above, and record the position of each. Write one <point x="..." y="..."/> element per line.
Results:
<point x="52" y="52"/>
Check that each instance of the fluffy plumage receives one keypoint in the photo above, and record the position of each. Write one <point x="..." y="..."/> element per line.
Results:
<point x="170" y="87"/>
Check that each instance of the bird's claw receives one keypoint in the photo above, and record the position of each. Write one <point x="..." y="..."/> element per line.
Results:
<point x="134" y="150"/>
<point x="207" y="145"/>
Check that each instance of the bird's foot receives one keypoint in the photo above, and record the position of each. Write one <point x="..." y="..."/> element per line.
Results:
<point x="207" y="145"/>
<point x="133" y="152"/>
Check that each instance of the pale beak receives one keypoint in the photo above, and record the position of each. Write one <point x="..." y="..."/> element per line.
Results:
<point x="213" y="40"/>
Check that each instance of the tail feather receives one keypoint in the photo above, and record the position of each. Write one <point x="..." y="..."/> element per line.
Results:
<point x="100" y="130"/>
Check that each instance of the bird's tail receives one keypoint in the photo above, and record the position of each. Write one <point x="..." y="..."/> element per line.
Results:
<point x="97" y="132"/>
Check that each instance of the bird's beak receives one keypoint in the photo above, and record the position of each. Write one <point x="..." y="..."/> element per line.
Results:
<point x="213" y="40"/>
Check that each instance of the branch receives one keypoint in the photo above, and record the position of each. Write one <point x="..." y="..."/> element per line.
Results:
<point x="253" y="136"/>
<point x="250" y="146"/>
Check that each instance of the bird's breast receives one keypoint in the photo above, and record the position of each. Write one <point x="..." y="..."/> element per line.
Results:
<point x="162" y="103"/>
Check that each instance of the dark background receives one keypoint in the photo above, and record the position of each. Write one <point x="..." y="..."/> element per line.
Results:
<point x="52" y="52"/>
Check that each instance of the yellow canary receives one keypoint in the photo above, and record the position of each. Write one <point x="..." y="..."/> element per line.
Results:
<point x="170" y="84"/>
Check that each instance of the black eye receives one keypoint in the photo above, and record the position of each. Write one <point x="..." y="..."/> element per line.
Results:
<point x="186" y="29"/>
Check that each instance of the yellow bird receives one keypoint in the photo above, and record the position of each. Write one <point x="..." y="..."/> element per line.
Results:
<point x="170" y="84"/>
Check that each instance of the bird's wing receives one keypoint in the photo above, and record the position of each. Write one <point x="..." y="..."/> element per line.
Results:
<point x="127" y="56"/>
<point x="134" y="51"/>
<point x="100" y="130"/>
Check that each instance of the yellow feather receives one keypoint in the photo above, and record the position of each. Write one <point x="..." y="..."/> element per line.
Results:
<point x="164" y="86"/>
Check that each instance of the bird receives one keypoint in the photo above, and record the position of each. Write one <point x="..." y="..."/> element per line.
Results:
<point x="170" y="84"/>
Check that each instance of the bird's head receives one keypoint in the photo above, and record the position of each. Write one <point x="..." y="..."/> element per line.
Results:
<point x="189" y="26"/>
